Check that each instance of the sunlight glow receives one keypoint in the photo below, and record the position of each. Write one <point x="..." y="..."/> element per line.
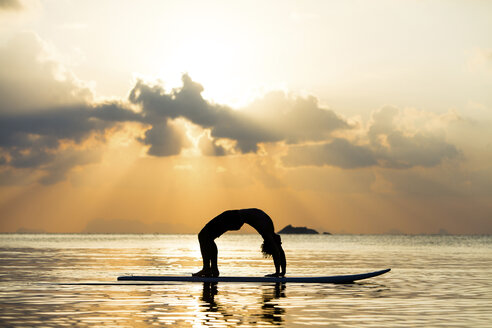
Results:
<point x="214" y="63"/>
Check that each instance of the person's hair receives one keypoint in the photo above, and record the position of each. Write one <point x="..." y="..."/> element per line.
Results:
<point x="267" y="248"/>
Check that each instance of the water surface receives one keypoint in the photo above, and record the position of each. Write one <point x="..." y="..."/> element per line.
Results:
<point x="436" y="281"/>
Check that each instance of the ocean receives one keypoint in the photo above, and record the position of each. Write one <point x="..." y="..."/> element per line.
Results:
<point x="56" y="280"/>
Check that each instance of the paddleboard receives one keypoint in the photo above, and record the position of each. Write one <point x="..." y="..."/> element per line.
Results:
<point x="343" y="279"/>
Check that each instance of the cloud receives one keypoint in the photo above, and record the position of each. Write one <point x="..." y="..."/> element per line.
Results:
<point x="187" y="102"/>
<point x="296" y="119"/>
<point x="45" y="117"/>
<point x="397" y="149"/>
<point x="46" y="128"/>
<point x="339" y="153"/>
<point x="10" y="5"/>
<point x="39" y="140"/>
<point x="164" y="139"/>
<point x="209" y="147"/>
<point x="385" y="145"/>
<point x="273" y="118"/>
<point x="15" y="177"/>
<point x="44" y="106"/>
<point x="31" y="79"/>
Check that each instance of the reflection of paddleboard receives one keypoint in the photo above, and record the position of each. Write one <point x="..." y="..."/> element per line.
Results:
<point x="329" y="279"/>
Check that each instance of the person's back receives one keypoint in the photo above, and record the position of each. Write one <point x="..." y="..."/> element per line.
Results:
<point x="234" y="220"/>
<point x="226" y="221"/>
<point x="258" y="219"/>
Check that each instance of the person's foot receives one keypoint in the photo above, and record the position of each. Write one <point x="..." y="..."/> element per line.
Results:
<point x="275" y="275"/>
<point x="206" y="273"/>
<point x="202" y="273"/>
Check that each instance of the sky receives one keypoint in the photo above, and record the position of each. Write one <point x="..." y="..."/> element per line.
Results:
<point x="155" y="116"/>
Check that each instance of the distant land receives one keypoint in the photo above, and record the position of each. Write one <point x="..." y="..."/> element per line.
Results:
<point x="29" y="230"/>
<point x="125" y="226"/>
<point x="289" y="229"/>
<point x="101" y="225"/>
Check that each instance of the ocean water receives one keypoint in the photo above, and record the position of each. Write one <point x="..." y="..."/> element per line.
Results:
<point x="53" y="280"/>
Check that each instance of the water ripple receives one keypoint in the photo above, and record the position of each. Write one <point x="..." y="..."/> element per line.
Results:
<point x="435" y="281"/>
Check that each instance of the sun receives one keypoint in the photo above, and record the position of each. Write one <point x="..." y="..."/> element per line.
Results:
<point x="214" y="63"/>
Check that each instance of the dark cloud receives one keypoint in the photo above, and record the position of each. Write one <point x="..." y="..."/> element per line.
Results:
<point x="10" y="5"/>
<point x="387" y="146"/>
<point x="45" y="129"/>
<point x="296" y="119"/>
<point x="46" y="114"/>
<point x="418" y="150"/>
<point x="396" y="149"/>
<point x="187" y="102"/>
<point x="14" y="177"/>
<point x="35" y="140"/>
<point x="30" y="157"/>
<point x="115" y="112"/>
<point x="271" y="119"/>
<point x="209" y="147"/>
<point x="164" y="139"/>
<point x="339" y="152"/>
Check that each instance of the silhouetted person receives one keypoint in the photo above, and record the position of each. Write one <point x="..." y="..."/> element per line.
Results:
<point x="234" y="220"/>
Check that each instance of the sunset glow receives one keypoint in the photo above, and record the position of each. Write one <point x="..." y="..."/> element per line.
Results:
<point x="347" y="117"/>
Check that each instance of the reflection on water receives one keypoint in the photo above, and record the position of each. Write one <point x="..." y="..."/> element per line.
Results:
<point x="237" y="314"/>
<point x="435" y="281"/>
<point x="272" y="311"/>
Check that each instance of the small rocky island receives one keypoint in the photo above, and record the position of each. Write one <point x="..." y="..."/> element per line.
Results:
<point x="289" y="229"/>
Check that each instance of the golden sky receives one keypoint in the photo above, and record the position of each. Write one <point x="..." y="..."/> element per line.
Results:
<point x="344" y="116"/>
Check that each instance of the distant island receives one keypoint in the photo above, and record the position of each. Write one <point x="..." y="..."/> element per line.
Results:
<point x="289" y="229"/>
<point x="29" y="230"/>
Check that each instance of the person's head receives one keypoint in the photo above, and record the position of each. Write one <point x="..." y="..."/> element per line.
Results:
<point x="267" y="248"/>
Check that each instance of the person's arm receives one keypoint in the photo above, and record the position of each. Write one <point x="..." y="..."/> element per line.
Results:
<point x="283" y="261"/>
<point x="279" y="261"/>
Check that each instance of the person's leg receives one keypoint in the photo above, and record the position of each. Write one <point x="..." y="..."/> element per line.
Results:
<point x="214" y="270"/>
<point x="205" y="250"/>
<point x="207" y="246"/>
